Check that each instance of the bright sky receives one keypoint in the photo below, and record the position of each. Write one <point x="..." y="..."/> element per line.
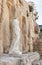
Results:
<point x="38" y="4"/>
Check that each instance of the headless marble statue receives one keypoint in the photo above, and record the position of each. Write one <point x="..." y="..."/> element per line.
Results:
<point x="16" y="46"/>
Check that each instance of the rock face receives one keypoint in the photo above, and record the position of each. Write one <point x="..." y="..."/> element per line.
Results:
<point x="18" y="32"/>
<point x="38" y="42"/>
<point x="21" y="32"/>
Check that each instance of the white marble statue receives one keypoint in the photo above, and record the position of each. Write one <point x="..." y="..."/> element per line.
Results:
<point x="15" y="46"/>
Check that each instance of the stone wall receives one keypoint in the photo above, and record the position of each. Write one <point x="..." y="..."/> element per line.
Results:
<point x="18" y="32"/>
<point x="26" y="16"/>
<point x="38" y="44"/>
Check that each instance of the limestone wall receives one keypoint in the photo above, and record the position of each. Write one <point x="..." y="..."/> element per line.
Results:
<point x="18" y="32"/>
<point x="25" y="14"/>
<point x="38" y="44"/>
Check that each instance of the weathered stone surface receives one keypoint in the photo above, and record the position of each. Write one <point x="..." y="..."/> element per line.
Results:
<point x="38" y="44"/>
<point x="18" y="32"/>
<point x="1" y="40"/>
<point x="24" y="59"/>
<point x="4" y="25"/>
<point x="14" y="61"/>
<point x="39" y="62"/>
<point x="32" y="56"/>
<point x="36" y="63"/>
<point x="26" y="16"/>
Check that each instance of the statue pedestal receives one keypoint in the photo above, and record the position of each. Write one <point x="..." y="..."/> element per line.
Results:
<point x="7" y="60"/>
<point x="24" y="59"/>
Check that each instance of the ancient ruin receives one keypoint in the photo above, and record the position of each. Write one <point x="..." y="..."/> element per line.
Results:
<point x="18" y="33"/>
